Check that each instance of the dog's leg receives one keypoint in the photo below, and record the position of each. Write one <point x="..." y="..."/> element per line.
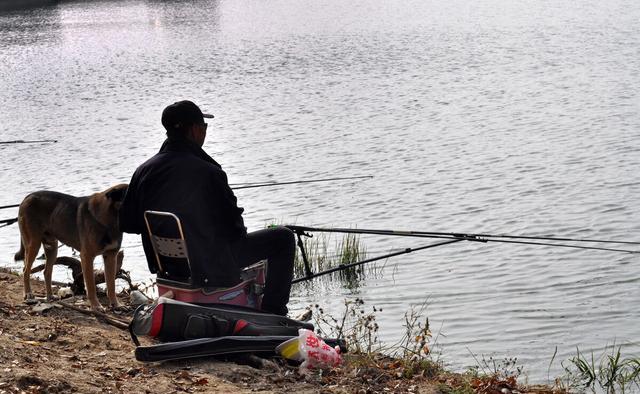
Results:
<point x="86" y="260"/>
<point x="31" y="248"/>
<point x="51" y="252"/>
<point x="110" y="270"/>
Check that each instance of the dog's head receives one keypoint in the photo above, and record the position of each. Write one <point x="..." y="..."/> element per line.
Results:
<point x="104" y="206"/>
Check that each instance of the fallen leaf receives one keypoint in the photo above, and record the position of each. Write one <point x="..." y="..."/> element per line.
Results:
<point x="201" y="382"/>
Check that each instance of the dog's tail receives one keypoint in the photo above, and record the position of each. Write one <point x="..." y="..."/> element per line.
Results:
<point x="19" y="254"/>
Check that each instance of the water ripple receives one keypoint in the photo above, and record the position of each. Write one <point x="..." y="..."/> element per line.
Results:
<point x="472" y="117"/>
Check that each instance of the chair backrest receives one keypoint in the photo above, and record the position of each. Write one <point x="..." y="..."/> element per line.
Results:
<point x="169" y="246"/>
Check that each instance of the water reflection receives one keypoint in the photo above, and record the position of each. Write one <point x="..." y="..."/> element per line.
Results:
<point x="185" y="14"/>
<point x="24" y="5"/>
<point x="29" y="25"/>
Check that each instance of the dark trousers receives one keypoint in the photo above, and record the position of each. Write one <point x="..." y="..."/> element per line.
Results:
<point x="278" y="246"/>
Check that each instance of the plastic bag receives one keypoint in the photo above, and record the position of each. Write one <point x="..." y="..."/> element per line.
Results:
<point x="315" y="353"/>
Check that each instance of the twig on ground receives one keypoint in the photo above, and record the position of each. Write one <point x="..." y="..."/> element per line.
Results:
<point x="106" y="318"/>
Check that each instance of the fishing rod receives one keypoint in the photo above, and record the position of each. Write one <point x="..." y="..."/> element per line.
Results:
<point x="452" y="237"/>
<point x="473" y="237"/>
<point x="249" y="185"/>
<point x="236" y="186"/>
<point x="28" y="142"/>
<point x="7" y="222"/>
<point x="310" y="275"/>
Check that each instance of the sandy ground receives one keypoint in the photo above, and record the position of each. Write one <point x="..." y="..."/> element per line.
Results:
<point x="66" y="349"/>
<point x="61" y="350"/>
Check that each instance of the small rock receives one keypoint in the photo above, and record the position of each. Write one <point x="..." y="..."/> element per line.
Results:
<point x="138" y="298"/>
<point x="42" y="307"/>
<point x="133" y="371"/>
<point x="304" y="316"/>
<point x="65" y="292"/>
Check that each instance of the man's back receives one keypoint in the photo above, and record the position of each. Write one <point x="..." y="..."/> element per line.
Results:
<point x="184" y="180"/>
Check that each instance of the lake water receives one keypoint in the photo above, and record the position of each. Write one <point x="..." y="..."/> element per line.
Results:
<point x="491" y="116"/>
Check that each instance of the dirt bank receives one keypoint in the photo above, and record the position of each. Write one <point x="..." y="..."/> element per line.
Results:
<point x="61" y="350"/>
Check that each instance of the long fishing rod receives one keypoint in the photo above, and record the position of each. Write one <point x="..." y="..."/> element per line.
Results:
<point x="474" y="237"/>
<point x="310" y="275"/>
<point x="8" y="222"/>
<point x="249" y="185"/>
<point x="28" y="142"/>
<point x="452" y="237"/>
<point x="468" y="236"/>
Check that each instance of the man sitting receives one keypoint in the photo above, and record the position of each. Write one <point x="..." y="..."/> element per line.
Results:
<point x="184" y="180"/>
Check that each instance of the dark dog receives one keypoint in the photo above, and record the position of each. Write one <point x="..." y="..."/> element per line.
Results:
<point x="87" y="224"/>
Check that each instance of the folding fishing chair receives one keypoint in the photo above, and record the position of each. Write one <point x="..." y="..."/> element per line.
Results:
<point x="174" y="270"/>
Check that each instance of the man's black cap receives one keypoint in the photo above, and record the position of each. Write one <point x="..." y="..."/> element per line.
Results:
<point x="182" y="113"/>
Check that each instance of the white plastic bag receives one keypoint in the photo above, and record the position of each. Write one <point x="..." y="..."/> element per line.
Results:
<point x="315" y="353"/>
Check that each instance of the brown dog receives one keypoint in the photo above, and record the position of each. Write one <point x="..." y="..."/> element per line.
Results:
<point x="88" y="224"/>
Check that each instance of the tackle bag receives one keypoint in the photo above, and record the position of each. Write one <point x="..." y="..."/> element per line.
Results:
<point x="169" y="320"/>
<point x="221" y="346"/>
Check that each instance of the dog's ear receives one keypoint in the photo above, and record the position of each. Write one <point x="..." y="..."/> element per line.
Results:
<point x="103" y="206"/>
<point x="116" y="193"/>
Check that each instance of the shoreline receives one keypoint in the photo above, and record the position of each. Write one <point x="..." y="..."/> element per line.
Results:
<point x="62" y="350"/>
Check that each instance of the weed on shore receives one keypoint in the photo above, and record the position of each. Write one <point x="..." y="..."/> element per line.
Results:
<point x="607" y="373"/>
<point x="413" y="357"/>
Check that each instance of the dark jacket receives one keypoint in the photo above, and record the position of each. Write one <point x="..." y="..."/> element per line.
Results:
<point x="184" y="180"/>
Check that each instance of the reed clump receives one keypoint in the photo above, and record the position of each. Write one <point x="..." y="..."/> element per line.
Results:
<point x="609" y="372"/>
<point x="322" y="255"/>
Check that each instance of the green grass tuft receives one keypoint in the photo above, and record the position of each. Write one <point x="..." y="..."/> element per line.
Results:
<point x="609" y="372"/>
<point x="322" y="256"/>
